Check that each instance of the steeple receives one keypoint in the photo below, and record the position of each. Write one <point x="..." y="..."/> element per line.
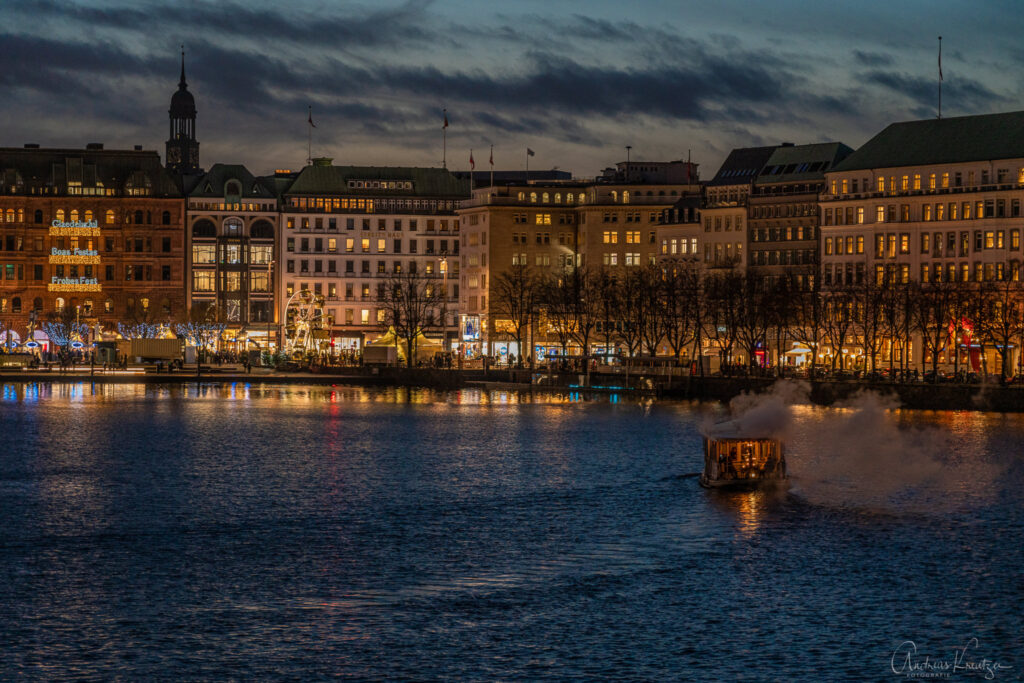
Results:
<point x="182" y="85"/>
<point x="182" y="147"/>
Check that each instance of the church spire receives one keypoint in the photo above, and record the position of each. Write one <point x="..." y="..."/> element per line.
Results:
<point x="182" y="84"/>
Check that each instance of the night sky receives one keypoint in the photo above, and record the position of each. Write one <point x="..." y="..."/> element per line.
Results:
<point x="575" y="81"/>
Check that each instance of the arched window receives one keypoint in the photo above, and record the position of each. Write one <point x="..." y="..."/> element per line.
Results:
<point x="546" y="199"/>
<point x="233" y="227"/>
<point x="59" y="304"/>
<point x="16" y="305"/>
<point x="262" y="230"/>
<point x="60" y="215"/>
<point x="87" y="307"/>
<point x="558" y="198"/>
<point x="165" y="219"/>
<point x="674" y="193"/>
<point x="522" y="196"/>
<point x="88" y="216"/>
<point x="10" y="215"/>
<point x="661" y="193"/>
<point x="204" y="228"/>
<point x="533" y="197"/>
<point x="615" y="196"/>
<point x="39" y="216"/>
<point x="110" y="217"/>
<point x="625" y="196"/>
<point x="145" y="303"/>
<point x="21" y="215"/>
<point x="108" y="306"/>
<point x="232" y="190"/>
<point x="74" y="215"/>
<point x="37" y="304"/>
<point x="138" y="217"/>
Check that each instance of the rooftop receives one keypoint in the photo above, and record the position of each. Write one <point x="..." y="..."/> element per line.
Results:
<point x="941" y="141"/>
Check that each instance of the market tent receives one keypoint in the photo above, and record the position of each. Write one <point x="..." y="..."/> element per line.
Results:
<point x="425" y="347"/>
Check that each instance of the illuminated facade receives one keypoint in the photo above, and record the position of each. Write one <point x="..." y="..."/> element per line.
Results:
<point x="231" y="251"/>
<point x="346" y="229"/>
<point x="610" y="222"/>
<point x="96" y="231"/>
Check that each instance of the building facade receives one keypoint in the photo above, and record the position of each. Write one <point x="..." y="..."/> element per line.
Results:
<point x="931" y="202"/>
<point x="725" y="207"/>
<point x="552" y="227"/>
<point x="231" y="249"/>
<point x="96" y="231"/>
<point x="345" y="230"/>
<point x="783" y="220"/>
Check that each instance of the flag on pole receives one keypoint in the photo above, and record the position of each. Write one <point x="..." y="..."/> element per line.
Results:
<point x="445" y="119"/>
<point x="492" y="155"/>
<point x="940" y="58"/>
<point x="529" y="152"/>
<point x="311" y="116"/>
<point x="472" y="164"/>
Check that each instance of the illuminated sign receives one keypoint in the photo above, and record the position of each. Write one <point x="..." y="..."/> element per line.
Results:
<point x="81" y="284"/>
<point x="74" y="256"/>
<point x="74" y="224"/>
<point x="74" y="232"/>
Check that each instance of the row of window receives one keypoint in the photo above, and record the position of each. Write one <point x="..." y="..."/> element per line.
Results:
<point x="370" y="205"/>
<point x="721" y="222"/>
<point x="329" y="290"/>
<point x="544" y="260"/>
<point x="628" y="259"/>
<point x="396" y="224"/>
<point x="682" y="246"/>
<point x="257" y="281"/>
<point x="780" y="234"/>
<point x="940" y="211"/>
<point x="932" y="181"/>
<point x="318" y="244"/>
<point x="13" y="305"/>
<point x="631" y="237"/>
<point x="16" y="271"/>
<point x="782" y="257"/>
<point x="783" y="211"/>
<point x="629" y="217"/>
<point x="429" y="267"/>
<point x="854" y="273"/>
<point x="234" y="254"/>
<point x="564" y="238"/>
<point x="538" y="218"/>
<point x="109" y="218"/>
<point x="887" y="245"/>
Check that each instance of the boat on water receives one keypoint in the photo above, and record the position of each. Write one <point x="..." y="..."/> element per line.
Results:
<point x="736" y="460"/>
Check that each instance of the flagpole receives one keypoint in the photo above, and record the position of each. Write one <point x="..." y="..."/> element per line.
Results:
<point x="444" y="140"/>
<point x="472" y="165"/>
<point x="492" y="165"/>
<point x="527" y="165"/>
<point x="940" y="77"/>
<point x="309" y="141"/>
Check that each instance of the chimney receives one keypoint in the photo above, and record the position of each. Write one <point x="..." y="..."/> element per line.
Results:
<point x="31" y="145"/>
<point x="138" y="148"/>
<point x="94" y="145"/>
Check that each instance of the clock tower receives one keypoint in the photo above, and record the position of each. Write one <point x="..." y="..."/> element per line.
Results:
<point x="182" y="148"/>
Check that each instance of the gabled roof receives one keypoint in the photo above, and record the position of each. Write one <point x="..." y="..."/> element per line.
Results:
<point x="334" y="180"/>
<point x="942" y="141"/>
<point x="742" y="166"/>
<point x="213" y="182"/>
<point x="799" y="163"/>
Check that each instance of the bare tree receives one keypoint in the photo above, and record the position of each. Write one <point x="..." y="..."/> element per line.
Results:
<point x="200" y="328"/>
<point x="809" y="319"/>
<point x="933" y="310"/>
<point x="607" y="292"/>
<point x="839" y="320"/>
<point x="514" y="295"/>
<point x="680" y="305"/>
<point x="410" y="302"/>
<point x="724" y="290"/>
<point x="1001" y="318"/>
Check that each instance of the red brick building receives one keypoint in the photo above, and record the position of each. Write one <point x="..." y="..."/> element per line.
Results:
<point x="99" y="231"/>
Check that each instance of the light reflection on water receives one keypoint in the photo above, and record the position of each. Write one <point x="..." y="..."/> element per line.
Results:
<point x="258" y="531"/>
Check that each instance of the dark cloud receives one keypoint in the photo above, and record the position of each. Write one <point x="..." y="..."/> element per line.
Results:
<point x="960" y="94"/>
<point x="874" y="59"/>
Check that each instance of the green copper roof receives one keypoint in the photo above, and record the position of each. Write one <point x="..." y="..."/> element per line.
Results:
<point x="942" y="141"/>
<point x="335" y="180"/>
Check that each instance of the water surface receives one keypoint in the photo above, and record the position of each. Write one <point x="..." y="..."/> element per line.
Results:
<point x="217" y="531"/>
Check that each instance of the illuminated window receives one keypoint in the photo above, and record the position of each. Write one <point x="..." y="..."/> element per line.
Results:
<point x="879" y="214"/>
<point x="625" y="197"/>
<point x="364" y="316"/>
<point x="945" y="179"/>
<point x="931" y="181"/>
<point x="365" y="244"/>
<point x="545" y="198"/>
<point x="381" y="246"/>
<point x="860" y="214"/>
<point x="881" y="184"/>
<point x="558" y="198"/>
<point x="917" y="181"/>
<point x="60" y="215"/>
<point x="533" y="197"/>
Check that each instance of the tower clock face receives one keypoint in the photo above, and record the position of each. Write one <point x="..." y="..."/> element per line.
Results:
<point x="173" y="155"/>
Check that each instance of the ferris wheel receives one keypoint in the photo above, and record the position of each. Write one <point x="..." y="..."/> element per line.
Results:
<point x="304" y="313"/>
